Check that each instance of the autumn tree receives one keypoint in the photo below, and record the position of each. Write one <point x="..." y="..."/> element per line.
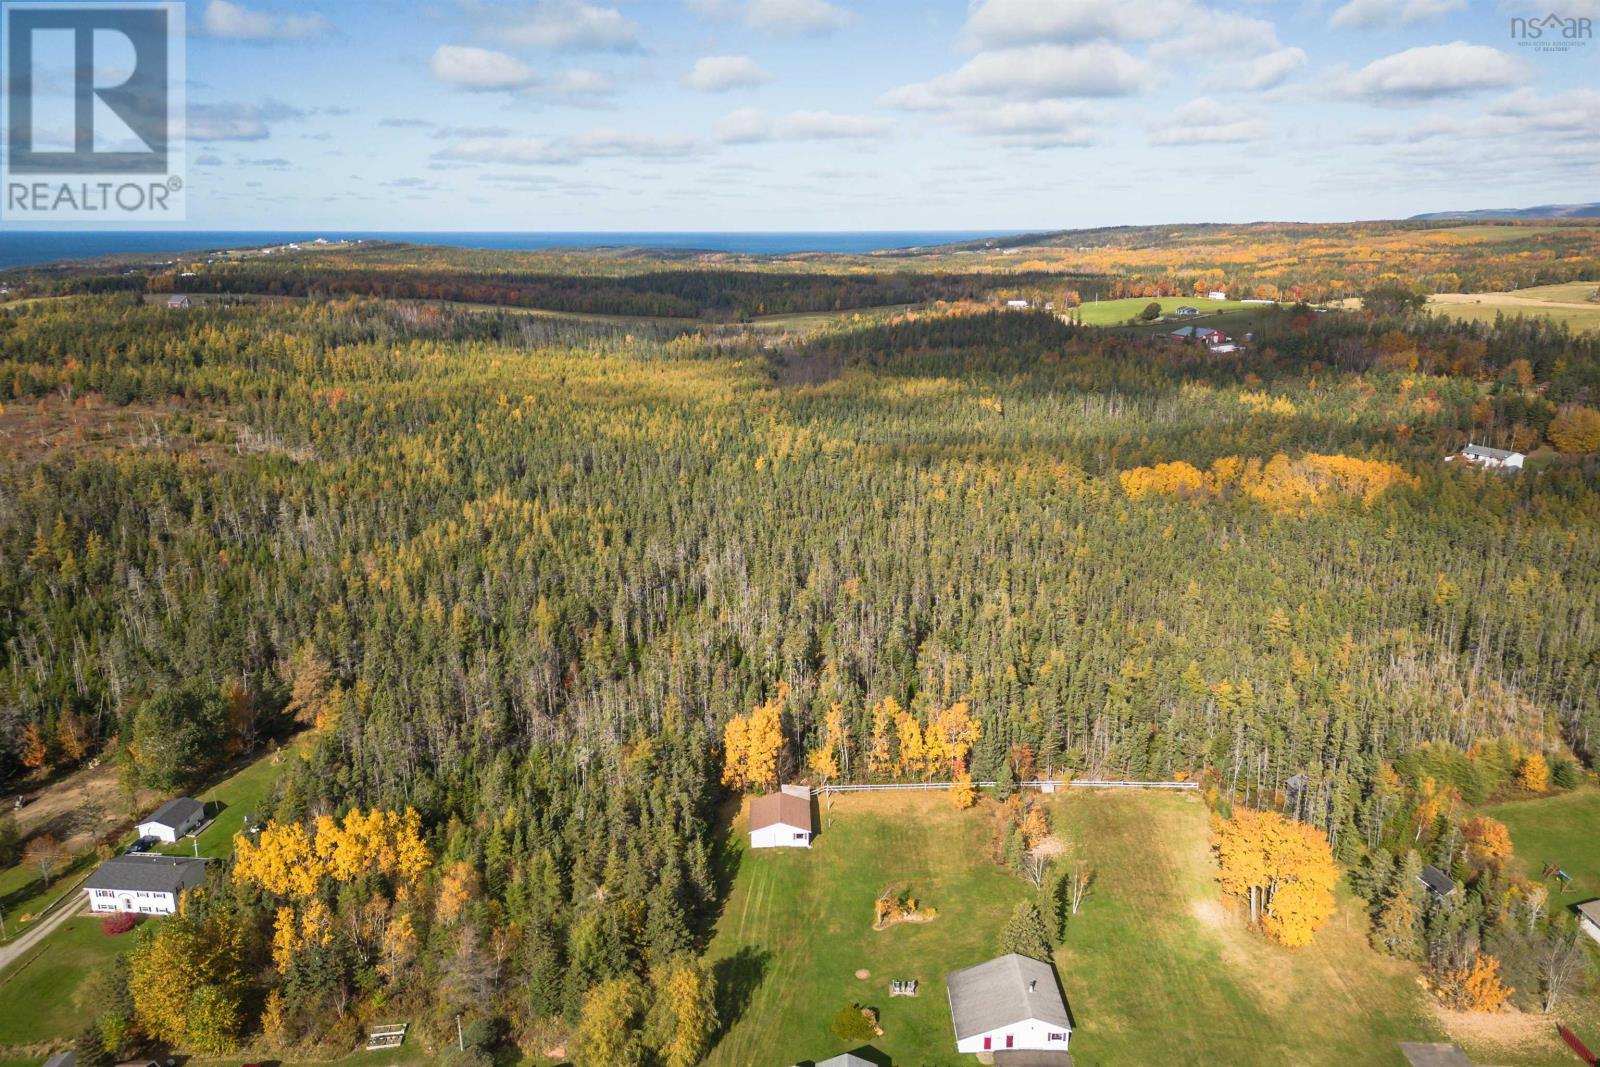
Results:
<point x="610" y="1031"/>
<point x="962" y="793"/>
<point x="1475" y="986"/>
<point x="186" y="977"/>
<point x="1576" y="429"/>
<point x="1487" y="841"/>
<point x="1533" y="773"/>
<point x="34" y="752"/>
<point x="683" y="1018"/>
<point x="1284" y="869"/>
<point x="824" y="759"/>
<point x="751" y="745"/>
<point x="47" y="854"/>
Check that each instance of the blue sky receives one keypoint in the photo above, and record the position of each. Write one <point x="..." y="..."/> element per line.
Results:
<point x="850" y="114"/>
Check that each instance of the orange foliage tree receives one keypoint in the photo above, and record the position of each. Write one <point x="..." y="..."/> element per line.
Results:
<point x="1284" y="869"/>
<point x="751" y="745"/>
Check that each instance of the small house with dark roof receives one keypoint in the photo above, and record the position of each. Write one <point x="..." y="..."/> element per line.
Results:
<point x="1187" y="310"/>
<point x="1438" y="883"/>
<point x="173" y="819"/>
<point x="1492" y="458"/>
<point x="782" y="819"/>
<point x="177" y="303"/>
<point x="1009" y="1004"/>
<point x="143" y="885"/>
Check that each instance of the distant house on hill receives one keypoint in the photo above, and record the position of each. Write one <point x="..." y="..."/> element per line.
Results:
<point x="1018" y="304"/>
<point x="1589" y="918"/>
<point x="1492" y="458"/>
<point x="782" y="819"/>
<point x="1186" y="311"/>
<point x="173" y="819"/>
<point x="143" y="885"/>
<point x="1216" y="294"/>
<point x="177" y="302"/>
<point x="1009" y="1004"/>
<point x="1438" y="883"/>
<point x="1203" y="334"/>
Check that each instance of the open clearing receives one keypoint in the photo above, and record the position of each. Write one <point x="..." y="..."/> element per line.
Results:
<point x="1119" y="312"/>
<point x="1157" y="968"/>
<point x="1569" y="303"/>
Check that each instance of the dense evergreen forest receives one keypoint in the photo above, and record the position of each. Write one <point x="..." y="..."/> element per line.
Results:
<point x="517" y="574"/>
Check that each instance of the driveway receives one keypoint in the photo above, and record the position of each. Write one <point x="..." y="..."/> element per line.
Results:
<point x="38" y="931"/>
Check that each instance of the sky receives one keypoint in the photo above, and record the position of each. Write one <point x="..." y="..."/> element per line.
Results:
<point x="876" y="114"/>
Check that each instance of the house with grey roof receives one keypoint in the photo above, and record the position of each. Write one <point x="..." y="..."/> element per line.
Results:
<point x="1589" y="918"/>
<point x="1438" y="883"/>
<point x="1492" y="458"/>
<point x="143" y="884"/>
<point x="1009" y="1005"/>
<point x="849" y="1059"/>
<point x="782" y="819"/>
<point x="173" y="819"/>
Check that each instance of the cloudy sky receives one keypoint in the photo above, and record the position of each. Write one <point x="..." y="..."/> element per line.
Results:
<point x="876" y="114"/>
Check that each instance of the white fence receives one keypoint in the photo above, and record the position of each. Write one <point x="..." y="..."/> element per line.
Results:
<point x="1072" y="783"/>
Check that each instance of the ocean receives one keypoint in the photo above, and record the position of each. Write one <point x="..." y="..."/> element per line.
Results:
<point x="24" y="248"/>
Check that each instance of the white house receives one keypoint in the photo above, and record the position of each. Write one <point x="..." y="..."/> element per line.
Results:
<point x="173" y="819"/>
<point x="849" y="1059"/>
<point x="1199" y="333"/>
<point x="1589" y="918"/>
<point x="781" y="819"/>
<point x="1492" y="458"/>
<point x="178" y="302"/>
<point x="143" y="884"/>
<point x="1216" y="294"/>
<point x="1010" y="1003"/>
<point x="1018" y="304"/>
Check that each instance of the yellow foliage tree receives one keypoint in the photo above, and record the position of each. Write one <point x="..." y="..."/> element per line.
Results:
<point x="1283" y="868"/>
<point x="1475" y="987"/>
<point x="1488" y="842"/>
<point x="1533" y="773"/>
<point x="824" y="759"/>
<point x="880" y="755"/>
<point x="752" y="744"/>
<point x="962" y="793"/>
<point x="1576" y="429"/>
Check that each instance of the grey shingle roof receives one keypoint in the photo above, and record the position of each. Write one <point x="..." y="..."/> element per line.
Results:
<point x="1437" y="881"/>
<point x="1003" y="992"/>
<point x="1590" y="909"/>
<point x="176" y="812"/>
<point x="847" y="1060"/>
<point x="148" y="874"/>
<point x="785" y="808"/>
<point x="1485" y="452"/>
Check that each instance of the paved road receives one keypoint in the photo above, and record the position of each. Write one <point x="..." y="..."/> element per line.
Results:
<point x="38" y="931"/>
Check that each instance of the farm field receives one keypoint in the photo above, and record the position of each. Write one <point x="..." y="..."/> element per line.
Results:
<point x="1156" y="967"/>
<point x="47" y="981"/>
<point x="1561" y="830"/>
<point x="1569" y="303"/>
<point x="229" y="801"/>
<point x="1118" y="312"/>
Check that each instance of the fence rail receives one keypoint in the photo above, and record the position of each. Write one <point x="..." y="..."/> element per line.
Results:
<point x="1071" y="783"/>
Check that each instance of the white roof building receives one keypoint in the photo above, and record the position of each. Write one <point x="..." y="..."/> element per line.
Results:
<point x="1493" y="458"/>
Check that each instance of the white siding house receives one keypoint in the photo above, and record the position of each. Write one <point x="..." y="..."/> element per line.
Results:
<point x="1492" y="458"/>
<point x="1589" y="918"/>
<point x="1009" y="1003"/>
<point x="781" y="819"/>
<point x="173" y="819"/>
<point x="143" y="884"/>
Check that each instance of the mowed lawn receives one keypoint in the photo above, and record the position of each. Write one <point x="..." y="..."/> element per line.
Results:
<point x="40" y="994"/>
<point x="1118" y="312"/>
<point x="1156" y="968"/>
<point x="230" y="801"/>
<point x="1563" y="830"/>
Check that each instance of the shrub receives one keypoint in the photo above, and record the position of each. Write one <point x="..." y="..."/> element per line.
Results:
<point x="851" y="1024"/>
<point x="119" y="922"/>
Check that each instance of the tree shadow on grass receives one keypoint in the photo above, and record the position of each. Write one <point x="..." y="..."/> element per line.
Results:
<point x="737" y="977"/>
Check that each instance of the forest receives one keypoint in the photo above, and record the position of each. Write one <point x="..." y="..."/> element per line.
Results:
<point x="504" y="582"/>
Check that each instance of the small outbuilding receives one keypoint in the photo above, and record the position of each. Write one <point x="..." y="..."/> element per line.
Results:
<point x="174" y="819"/>
<point x="782" y="819"/>
<point x="1438" y="883"/>
<point x="1187" y="311"/>
<point x="177" y="303"/>
<point x="849" y="1059"/>
<point x="1017" y="304"/>
<point x="1589" y="918"/>
<point x="143" y="885"/>
<point x="1009" y="1004"/>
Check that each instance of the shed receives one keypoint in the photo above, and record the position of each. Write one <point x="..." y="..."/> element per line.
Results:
<point x="177" y="302"/>
<point x="1438" y="883"/>
<point x="1010" y="1003"/>
<point x="782" y="819"/>
<point x="173" y="819"/>
<point x="1589" y="918"/>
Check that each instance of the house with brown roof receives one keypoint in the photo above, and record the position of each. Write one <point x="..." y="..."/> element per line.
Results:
<point x="782" y="819"/>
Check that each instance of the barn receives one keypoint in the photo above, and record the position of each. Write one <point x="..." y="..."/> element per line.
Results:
<point x="782" y="819"/>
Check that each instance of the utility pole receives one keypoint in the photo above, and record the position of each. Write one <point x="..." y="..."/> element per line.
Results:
<point x="460" y="1044"/>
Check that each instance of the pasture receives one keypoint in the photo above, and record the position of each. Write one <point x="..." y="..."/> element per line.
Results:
<point x="1126" y="311"/>
<point x="1157" y="967"/>
<point x="1571" y="302"/>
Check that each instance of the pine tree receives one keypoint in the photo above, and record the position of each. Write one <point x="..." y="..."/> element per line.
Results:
<point x="1025" y="933"/>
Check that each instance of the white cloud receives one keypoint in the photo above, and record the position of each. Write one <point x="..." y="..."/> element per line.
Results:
<point x="796" y="16"/>
<point x="591" y="144"/>
<point x="1036" y="124"/>
<point x="1035" y="72"/>
<point x="1204" y="121"/>
<point x="1003" y="23"/>
<point x="1433" y="71"/>
<point x="716" y="74"/>
<point x="235" y="22"/>
<point x="237" y="122"/>
<point x="750" y="125"/>
<point x="572" y="25"/>
<point x="1270" y="70"/>
<point x="480" y="68"/>
<point x="1365" y="14"/>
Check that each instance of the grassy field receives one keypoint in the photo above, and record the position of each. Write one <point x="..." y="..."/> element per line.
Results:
<point x="227" y="803"/>
<point x="1118" y="312"/>
<point x="1568" y="302"/>
<point x="1561" y="830"/>
<point x="1156" y="968"/>
<point x="39" y="994"/>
